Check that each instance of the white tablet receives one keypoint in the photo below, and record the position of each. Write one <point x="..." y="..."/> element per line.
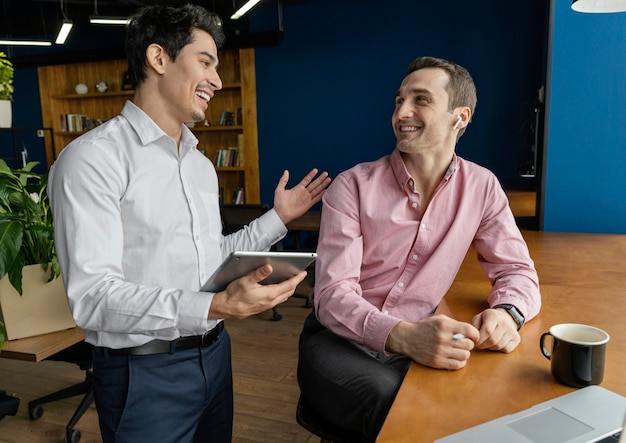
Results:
<point x="239" y="263"/>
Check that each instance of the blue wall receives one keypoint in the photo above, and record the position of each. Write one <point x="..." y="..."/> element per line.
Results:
<point x="325" y="95"/>
<point x="585" y="183"/>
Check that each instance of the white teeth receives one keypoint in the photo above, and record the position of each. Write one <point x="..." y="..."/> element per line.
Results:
<point x="203" y="95"/>
<point x="408" y="129"/>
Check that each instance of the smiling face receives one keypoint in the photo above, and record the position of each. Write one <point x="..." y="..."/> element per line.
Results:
<point x="421" y="119"/>
<point x="191" y="80"/>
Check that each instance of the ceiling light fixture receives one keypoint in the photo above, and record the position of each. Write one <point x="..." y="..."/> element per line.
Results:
<point x="64" y="32"/>
<point x="245" y="8"/>
<point x="598" y="6"/>
<point x="66" y="27"/>
<point x="25" y="43"/>
<point x="109" y="20"/>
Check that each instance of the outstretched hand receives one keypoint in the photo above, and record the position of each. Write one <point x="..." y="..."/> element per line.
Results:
<point x="290" y="204"/>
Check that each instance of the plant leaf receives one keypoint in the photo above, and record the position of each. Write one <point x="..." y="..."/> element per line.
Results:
<point x="15" y="272"/>
<point x="11" y="233"/>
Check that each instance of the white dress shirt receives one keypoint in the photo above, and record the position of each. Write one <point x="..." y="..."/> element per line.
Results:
<point x="138" y="231"/>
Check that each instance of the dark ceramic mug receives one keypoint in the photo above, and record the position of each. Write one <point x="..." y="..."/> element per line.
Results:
<point x="577" y="355"/>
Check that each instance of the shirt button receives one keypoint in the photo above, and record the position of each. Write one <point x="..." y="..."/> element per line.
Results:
<point x="401" y="284"/>
<point x="423" y="226"/>
<point x="386" y="312"/>
<point x="414" y="256"/>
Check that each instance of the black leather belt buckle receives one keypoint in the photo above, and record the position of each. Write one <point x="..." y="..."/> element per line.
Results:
<point x="210" y="337"/>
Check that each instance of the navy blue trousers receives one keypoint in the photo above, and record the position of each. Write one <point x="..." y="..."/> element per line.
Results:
<point x="184" y="397"/>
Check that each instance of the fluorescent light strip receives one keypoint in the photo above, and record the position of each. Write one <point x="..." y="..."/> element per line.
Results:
<point x="25" y="43"/>
<point x="245" y="8"/>
<point x="64" y="32"/>
<point x="108" y="20"/>
<point x="599" y="6"/>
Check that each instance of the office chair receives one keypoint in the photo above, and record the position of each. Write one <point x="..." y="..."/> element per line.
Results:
<point x="8" y="404"/>
<point x="309" y="419"/>
<point x="80" y="353"/>
<point x="235" y="217"/>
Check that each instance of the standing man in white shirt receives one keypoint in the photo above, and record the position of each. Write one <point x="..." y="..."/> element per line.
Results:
<point x="138" y="231"/>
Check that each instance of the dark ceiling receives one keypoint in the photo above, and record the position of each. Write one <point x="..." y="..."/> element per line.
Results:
<point x="33" y="17"/>
<point x="41" y="19"/>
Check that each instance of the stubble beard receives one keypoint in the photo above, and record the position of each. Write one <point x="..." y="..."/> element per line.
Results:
<point x="197" y="116"/>
<point x="408" y="145"/>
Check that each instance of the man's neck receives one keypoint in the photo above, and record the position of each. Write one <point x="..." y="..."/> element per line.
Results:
<point x="427" y="171"/>
<point x="154" y="107"/>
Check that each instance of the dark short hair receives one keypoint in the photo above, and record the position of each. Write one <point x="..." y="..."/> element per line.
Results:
<point x="168" y="26"/>
<point x="461" y="88"/>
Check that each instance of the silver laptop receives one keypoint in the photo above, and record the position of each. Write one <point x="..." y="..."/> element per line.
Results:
<point x="588" y="415"/>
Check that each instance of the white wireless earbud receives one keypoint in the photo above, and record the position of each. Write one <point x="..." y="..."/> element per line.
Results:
<point x="459" y="119"/>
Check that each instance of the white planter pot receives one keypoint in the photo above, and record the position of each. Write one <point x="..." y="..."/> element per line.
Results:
<point x="42" y="307"/>
<point x="6" y="114"/>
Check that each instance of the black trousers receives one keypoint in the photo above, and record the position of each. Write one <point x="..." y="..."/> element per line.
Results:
<point x="347" y="385"/>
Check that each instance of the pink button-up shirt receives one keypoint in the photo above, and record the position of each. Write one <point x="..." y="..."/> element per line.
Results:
<point x="378" y="263"/>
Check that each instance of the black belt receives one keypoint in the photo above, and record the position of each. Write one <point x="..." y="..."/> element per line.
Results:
<point x="164" y="346"/>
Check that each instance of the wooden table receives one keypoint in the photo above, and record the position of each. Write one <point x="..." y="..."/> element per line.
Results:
<point x="310" y="221"/>
<point x="40" y="347"/>
<point x="583" y="280"/>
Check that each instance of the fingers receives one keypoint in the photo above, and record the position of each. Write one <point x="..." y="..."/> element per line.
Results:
<point x="312" y="183"/>
<point x="497" y="331"/>
<point x="500" y="340"/>
<point x="318" y="186"/>
<point x="282" y="182"/>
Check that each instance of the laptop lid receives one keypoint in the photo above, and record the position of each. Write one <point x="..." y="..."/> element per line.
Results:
<point x="583" y="416"/>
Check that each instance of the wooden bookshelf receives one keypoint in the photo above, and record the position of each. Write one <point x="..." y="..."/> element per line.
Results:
<point x="57" y="85"/>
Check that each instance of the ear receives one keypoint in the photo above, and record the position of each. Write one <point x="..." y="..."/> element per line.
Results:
<point x="464" y="114"/>
<point x="156" y="58"/>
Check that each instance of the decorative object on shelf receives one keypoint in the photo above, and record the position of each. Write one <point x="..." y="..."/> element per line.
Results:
<point x="127" y="85"/>
<point x="102" y="86"/>
<point x="6" y="91"/>
<point x="26" y="228"/>
<point x="81" y="88"/>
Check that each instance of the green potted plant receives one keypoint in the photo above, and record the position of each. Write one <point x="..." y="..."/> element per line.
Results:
<point x="6" y="91"/>
<point x="26" y="228"/>
<point x="6" y="78"/>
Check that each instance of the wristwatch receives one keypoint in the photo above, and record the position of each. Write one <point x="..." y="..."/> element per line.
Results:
<point x="514" y="313"/>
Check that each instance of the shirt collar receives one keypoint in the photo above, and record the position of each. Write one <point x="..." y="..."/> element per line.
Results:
<point x="404" y="178"/>
<point x="149" y="132"/>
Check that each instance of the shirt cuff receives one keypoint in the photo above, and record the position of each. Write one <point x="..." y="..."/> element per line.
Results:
<point x="194" y="312"/>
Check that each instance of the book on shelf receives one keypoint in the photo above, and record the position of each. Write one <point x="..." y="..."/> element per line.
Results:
<point x="238" y="197"/>
<point x="239" y="117"/>
<point x="227" y="118"/>
<point x="226" y="157"/>
<point x="78" y="122"/>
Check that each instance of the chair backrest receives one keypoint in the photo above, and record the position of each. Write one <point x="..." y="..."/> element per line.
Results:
<point x="234" y="217"/>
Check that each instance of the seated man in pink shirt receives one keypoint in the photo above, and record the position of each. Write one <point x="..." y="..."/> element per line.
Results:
<point x="393" y="235"/>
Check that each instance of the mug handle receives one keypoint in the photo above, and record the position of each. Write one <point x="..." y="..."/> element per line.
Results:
<point x="542" y="340"/>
